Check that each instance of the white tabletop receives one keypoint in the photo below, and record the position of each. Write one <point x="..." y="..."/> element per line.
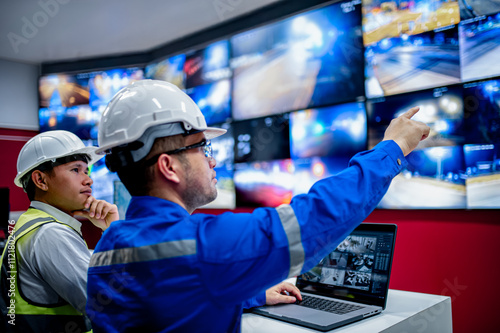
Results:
<point x="405" y="311"/>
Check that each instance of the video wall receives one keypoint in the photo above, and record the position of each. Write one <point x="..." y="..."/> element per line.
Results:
<point x="302" y="95"/>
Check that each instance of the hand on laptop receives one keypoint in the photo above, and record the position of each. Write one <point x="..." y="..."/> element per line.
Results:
<point x="284" y="292"/>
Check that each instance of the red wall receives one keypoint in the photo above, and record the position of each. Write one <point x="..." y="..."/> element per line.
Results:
<point x="11" y="142"/>
<point x="448" y="252"/>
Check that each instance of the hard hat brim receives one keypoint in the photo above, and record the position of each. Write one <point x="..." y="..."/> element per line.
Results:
<point x="212" y="132"/>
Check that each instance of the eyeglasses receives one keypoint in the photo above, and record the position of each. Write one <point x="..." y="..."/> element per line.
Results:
<point x="206" y="144"/>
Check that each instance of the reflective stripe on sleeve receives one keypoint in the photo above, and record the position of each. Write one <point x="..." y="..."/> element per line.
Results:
<point x="292" y="230"/>
<point x="159" y="251"/>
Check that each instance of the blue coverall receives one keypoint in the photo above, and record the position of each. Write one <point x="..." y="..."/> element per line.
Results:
<point x="164" y="270"/>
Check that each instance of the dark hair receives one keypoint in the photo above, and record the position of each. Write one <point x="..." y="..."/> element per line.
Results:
<point x="28" y="184"/>
<point x="137" y="178"/>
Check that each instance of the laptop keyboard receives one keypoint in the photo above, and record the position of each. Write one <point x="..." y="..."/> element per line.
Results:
<point x="327" y="305"/>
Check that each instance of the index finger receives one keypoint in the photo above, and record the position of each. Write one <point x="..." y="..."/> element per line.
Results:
<point x="410" y="113"/>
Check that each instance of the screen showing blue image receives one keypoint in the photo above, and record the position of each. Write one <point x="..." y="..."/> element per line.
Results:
<point x="267" y="184"/>
<point x="477" y="8"/>
<point x="223" y="147"/>
<point x="308" y="60"/>
<point x="479" y="47"/>
<point x="412" y="62"/>
<point x="60" y="90"/>
<point x="226" y="195"/>
<point x="434" y="178"/>
<point x="482" y="111"/>
<point x="207" y="65"/>
<point x="214" y="100"/>
<point x="308" y="171"/>
<point x="261" y="139"/>
<point x="103" y="85"/>
<point x="103" y="180"/>
<point x="441" y="109"/>
<point x="170" y="70"/>
<point x="483" y="175"/>
<point x="339" y="130"/>
<point x="80" y="120"/>
<point x="389" y="18"/>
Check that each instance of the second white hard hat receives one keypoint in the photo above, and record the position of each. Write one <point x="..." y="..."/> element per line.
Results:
<point x="50" y="146"/>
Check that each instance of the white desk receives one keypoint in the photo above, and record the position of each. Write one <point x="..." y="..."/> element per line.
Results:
<point x="405" y="312"/>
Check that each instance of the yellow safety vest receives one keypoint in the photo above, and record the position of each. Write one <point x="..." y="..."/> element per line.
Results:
<point x="29" y="316"/>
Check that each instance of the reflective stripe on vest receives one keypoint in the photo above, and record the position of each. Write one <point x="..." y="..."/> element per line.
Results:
<point x="292" y="231"/>
<point x="158" y="251"/>
<point x="28" y="316"/>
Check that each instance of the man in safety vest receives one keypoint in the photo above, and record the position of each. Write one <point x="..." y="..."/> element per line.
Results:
<point x="45" y="261"/>
<point x="165" y="270"/>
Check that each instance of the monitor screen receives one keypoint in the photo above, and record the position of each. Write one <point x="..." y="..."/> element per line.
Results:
<point x="412" y="62"/>
<point x="60" y="90"/>
<point x="170" y="70"/>
<point x="223" y="153"/>
<point x="479" y="44"/>
<point x="308" y="60"/>
<point x="121" y="198"/>
<point x="79" y="119"/>
<point x="339" y="130"/>
<point x="434" y="178"/>
<point x="441" y="109"/>
<point x="103" y="85"/>
<point x="388" y="18"/>
<point x="482" y="111"/>
<point x="476" y="8"/>
<point x="483" y="175"/>
<point x="214" y="100"/>
<point x="207" y="65"/>
<point x="103" y="181"/>
<point x="308" y="171"/>
<point x="261" y="139"/>
<point x="268" y="184"/>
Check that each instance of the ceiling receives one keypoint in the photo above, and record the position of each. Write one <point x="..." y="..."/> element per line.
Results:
<point x="39" y="31"/>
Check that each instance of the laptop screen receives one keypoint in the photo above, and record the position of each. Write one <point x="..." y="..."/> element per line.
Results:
<point x="358" y="269"/>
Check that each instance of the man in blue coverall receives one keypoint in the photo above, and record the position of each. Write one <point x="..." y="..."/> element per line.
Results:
<point x="165" y="270"/>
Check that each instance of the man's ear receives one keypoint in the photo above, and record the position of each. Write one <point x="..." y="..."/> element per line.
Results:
<point x="169" y="168"/>
<point x="39" y="178"/>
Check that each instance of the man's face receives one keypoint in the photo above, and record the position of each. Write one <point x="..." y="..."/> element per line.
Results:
<point x="68" y="186"/>
<point x="199" y="175"/>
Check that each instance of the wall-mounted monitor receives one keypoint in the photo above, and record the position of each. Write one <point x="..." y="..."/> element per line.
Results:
<point x="103" y="85"/>
<point x="261" y="139"/>
<point x="339" y="130"/>
<point x="170" y="70"/>
<point x="479" y="45"/>
<point x="214" y="100"/>
<point x="79" y="119"/>
<point x="308" y="171"/>
<point x="412" y="62"/>
<point x="483" y="175"/>
<point x="482" y="111"/>
<point x="477" y="8"/>
<point x="389" y="18"/>
<point x="61" y="90"/>
<point x="307" y="60"/>
<point x="207" y="65"/>
<point x="267" y="184"/>
<point x="440" y="108"/>
<point x="434" y="179"/>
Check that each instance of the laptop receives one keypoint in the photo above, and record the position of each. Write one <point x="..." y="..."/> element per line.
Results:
<point x="349" y="284"/>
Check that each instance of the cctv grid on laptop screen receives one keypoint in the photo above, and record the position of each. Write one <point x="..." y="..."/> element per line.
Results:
<point x="358" y="269"/>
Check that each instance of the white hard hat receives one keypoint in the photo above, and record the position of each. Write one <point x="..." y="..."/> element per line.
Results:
<point x="50" y="146"/>
<point x="146" y="110"/>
